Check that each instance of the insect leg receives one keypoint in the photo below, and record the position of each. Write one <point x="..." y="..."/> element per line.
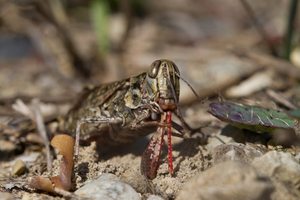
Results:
<point x="150" y="159"/>
<point x="185" y="129"/>
<point x="151" y="156"/>
<point x="92" y="120"/>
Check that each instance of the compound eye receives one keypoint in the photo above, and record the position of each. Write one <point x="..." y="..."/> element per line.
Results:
<point x="154" y="69"/>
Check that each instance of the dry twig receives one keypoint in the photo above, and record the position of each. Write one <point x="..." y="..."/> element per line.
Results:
<point x="34" y="113"/>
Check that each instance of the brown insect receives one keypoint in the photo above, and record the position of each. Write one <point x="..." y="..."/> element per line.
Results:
<point x="119" y="112"/>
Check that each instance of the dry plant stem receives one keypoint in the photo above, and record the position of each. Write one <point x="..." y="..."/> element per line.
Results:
<point x="258" y="26"/>
<point x="42" y="131"/>
<point x="35" y="115"/>
<point x="22" y="108"/>
<point x="290" y="28"/>
<point x="80" y="65"/>
<point x="266" y="61"/>
<point x="280" y="99"/>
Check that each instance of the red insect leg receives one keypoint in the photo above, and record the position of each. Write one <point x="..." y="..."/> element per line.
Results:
<point x="151" y="156"/>
<point x="170" y="158"/>
<point x="150" y="159"/>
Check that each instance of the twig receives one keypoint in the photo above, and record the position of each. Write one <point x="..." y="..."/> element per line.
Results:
<point x="42" y="130"/>
<point x="289" y="28"/>
<point x="259" y="26"/>
<point x="280" y="99"/>
<point x="22" y="108"/>
<point x="35" y="115"/>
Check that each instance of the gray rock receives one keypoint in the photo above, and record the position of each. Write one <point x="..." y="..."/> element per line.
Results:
<point x="283" y="166"/>
<point x="284" y="191"/>
<point x="227" y="181"/>
<point x="138" y="181"/>
<point x="236" y="151"/>
<point x="297" y="157"/>
<point x="108" y="187"/>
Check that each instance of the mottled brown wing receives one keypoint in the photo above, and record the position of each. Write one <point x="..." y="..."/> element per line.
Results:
<point x="91" y="99"/>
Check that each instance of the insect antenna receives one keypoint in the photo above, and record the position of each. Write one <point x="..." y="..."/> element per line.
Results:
<point x="189" y="85"/>
<point x="178" y="113"/>
<point x="173" y="91"/>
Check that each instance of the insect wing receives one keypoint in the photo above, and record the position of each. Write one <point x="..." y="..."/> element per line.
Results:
<point x="251" y="117"/>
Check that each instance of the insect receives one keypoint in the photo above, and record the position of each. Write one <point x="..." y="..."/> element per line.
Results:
<point x="252" y="117"/>
<point x="119" y="112"/>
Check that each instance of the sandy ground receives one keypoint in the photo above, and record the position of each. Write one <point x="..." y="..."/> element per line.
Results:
<point x="190" y="157"/>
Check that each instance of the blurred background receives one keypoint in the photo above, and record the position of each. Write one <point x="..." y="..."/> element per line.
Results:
<point x="50" y="49"/>
<point x="244" y="51"/>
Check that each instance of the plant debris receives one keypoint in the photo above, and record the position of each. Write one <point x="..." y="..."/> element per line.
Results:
<point x="64" y="144"/>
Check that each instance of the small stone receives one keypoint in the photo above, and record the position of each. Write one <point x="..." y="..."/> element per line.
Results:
<point x="227" y="181"/>
<point x="7" y="146"/>
<point x="18" y="168"/>
<point x="236" y="151"/>
<point x="30" y="157"/>
<point x="9" y="186"/>
<point x="34" y="138"/>
<point x="108" y="187"/>
<point x="138" y="181"/>
<point x="169" y="191"/>
<point x="280" y="165"/>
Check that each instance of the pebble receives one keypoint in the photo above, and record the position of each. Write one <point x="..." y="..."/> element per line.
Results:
<point x="7" y="146"/>
<point x="108" y="187"/>
<point x="281" y="165"/>
<point x="34" y="138"/>
<point x="236" y="151"/>
<point x="18" y="168"/>
<point x="169" y="191"/>
<point x="227" y="181"/>
<point x="138" y="181"/>
<point x="30" y="157"/>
